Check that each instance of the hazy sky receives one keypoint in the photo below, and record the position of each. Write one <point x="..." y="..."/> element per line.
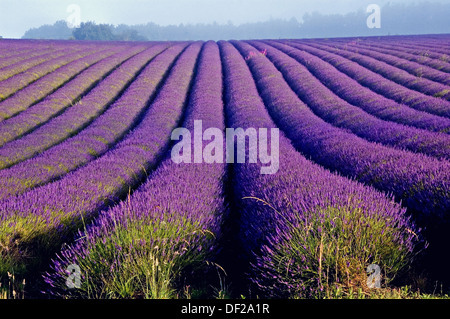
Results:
<point x="17" y="16"/>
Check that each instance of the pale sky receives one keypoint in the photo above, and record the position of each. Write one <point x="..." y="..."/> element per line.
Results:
<point x="17" y="16"/>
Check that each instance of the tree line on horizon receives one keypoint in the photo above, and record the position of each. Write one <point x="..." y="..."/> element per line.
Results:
<point x="422" y="18"/>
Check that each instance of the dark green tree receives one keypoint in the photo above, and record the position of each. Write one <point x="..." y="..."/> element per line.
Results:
<point x="91" y="31"/>
<point x="59" y="30"/>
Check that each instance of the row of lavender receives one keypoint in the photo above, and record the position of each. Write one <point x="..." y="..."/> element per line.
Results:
<point x="181" y="205"/>
<point x="343" y="77"/>
<point x="17" y="84"/>
<point x="437" y="61"/>
<point x="97" y="137"/>
<point x="36" y="223"/>
<point x="420" y="182"/>
<point x="376" y="82"/>
<point x="73" y="117"/>
<point x="323" y="102"/>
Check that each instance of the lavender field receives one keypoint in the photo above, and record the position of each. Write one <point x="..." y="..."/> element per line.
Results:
<point x="92" y="204"/>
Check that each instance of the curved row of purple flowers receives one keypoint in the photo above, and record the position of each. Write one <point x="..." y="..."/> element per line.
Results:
<point x="272" y="207"/>
<point x="173" y="195"/>
<point x="422" y="183"/>
<point x="36" y="223"/>
<point x="438" y="63"/>
<point x="323" y="102"/>
<point x="377" y="82"/>
<point x="15" y="85"/>
<point x="100" y="135"/>
<point x="417" y="70"/>
<point x="21" y="63"/>
<point x="349" y="89"/>
<point x="48" y="130"/>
